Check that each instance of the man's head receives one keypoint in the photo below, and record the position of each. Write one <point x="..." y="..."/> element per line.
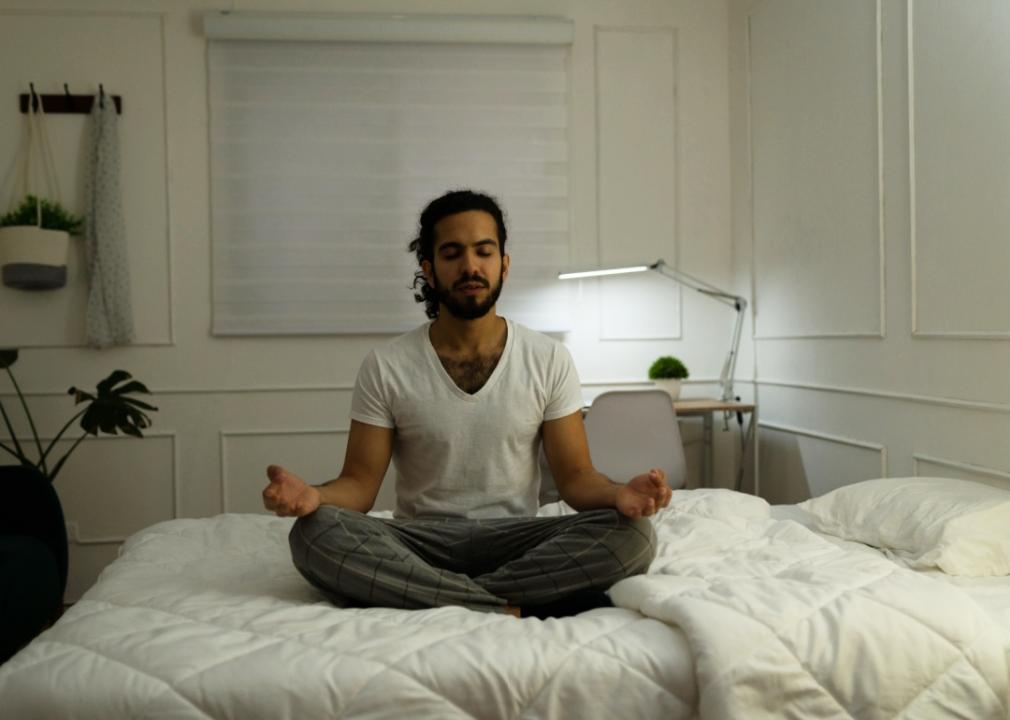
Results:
<point x="460" y="249"/>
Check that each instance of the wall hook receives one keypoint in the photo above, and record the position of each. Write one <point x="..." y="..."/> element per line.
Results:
<point x="66" y="102"/>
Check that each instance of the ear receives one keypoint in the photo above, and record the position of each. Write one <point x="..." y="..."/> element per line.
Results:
<point x="426" y="269"/>
<point x="505" y="260"/>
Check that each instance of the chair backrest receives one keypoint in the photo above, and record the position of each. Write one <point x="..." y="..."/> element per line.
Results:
<point x="630" y="431"/>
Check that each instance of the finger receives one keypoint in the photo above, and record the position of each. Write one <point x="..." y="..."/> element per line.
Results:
<point x="658" y="477"/>
<point x="276" y="473"/>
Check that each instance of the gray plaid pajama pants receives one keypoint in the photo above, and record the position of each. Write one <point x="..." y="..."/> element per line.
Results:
<point x="479" y="564"/>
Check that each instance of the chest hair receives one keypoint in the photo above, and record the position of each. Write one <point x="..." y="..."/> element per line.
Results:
<point x="470" y="374"/>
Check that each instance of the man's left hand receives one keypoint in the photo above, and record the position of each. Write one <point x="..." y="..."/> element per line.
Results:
<point x="644" y="494"/>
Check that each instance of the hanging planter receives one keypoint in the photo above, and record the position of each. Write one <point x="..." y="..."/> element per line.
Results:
<point x="35" y="235"/>
<point x="34" y="258"/>
<point x="35" y="243"/>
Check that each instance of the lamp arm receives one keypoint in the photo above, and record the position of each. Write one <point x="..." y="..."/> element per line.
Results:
<point x="736" y="301"/>
<point x="729" y="367"/>
<point x="694" y="283"/>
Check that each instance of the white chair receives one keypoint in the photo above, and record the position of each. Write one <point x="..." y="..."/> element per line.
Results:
<point x="629" y="432"/>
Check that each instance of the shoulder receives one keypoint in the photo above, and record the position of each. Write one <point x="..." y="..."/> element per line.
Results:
<point x="396" y="355"/>
<point x="409" y="343"/>
<point x="538" y="350"/>
<point x="535" y="342"/>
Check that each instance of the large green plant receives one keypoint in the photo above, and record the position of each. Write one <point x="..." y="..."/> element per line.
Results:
<point x="54" y="216"/>
<point x="109" y="411"/>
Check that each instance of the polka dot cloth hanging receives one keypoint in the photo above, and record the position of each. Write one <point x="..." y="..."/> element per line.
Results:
<point x="109" y="316"/>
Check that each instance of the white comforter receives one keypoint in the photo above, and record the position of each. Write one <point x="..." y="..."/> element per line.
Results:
<point x="784" y="624"/>
<point x="207" y="618"/>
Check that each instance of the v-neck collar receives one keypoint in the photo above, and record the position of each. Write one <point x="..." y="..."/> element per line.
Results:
<point x="447" y="378"/>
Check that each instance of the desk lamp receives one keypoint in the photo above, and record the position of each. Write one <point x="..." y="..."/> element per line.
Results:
<point x="735" y="301"/>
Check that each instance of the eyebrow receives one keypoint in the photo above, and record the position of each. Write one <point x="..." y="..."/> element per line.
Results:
<point x="456" y="245"/>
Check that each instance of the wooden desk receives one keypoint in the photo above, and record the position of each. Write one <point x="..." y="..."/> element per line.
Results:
<point x="707" y="408"/>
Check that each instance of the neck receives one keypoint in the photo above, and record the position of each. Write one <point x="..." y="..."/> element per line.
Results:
<point x="451" y="335"/>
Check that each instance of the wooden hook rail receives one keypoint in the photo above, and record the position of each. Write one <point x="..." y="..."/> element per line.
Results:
<point x="65" y="103"/>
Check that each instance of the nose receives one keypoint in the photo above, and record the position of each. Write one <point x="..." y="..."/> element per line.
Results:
<point x="471" y="263"/>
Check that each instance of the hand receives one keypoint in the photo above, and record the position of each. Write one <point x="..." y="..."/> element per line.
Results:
<point x="644" y="494"/>
<point x="288" y="495"/>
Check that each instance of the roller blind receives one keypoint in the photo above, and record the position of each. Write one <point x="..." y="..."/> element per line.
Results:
<point x="323" y="155"/>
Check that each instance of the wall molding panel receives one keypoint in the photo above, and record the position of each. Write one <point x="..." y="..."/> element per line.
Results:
<point x="346" y="387"/>
<point x="225" y="436"/>
<point x="1002" y="408"/>
<point x="248" y="389"/>
<point x="839" y="439"/>
<point x="976" y="289"/>
<point x="627" y="215"/>
<point x="804" y="471"/>
<point x="74" y="525"/>
<point x="989" y="472"/>
<point x="792" y="224"/>
<point x="29" y="324"/>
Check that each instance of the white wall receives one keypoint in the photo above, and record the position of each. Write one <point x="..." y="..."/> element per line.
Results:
<point x="643" y="69"/>
<point x="871" y="170"/>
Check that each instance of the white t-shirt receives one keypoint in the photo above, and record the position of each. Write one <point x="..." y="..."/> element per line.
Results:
<point x="458" y="454"/>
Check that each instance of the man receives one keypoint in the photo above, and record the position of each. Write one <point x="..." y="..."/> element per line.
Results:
<point x="461" y="404"/>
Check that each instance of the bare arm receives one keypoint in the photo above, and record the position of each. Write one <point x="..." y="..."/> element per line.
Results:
<point x="583" y="487"/>
<point x="369" y="449"/>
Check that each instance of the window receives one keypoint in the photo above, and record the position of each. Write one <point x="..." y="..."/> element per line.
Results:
<point x="323" y="155"/>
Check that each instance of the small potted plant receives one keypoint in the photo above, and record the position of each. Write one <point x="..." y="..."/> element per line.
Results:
<point x="667" y="372"/>
<point x="34" y="243"/>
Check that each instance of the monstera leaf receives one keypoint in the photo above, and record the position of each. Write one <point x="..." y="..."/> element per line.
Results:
<point x="111" y="409"/>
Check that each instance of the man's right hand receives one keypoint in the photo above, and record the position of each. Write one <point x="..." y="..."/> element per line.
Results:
<point x="288" y="495"/>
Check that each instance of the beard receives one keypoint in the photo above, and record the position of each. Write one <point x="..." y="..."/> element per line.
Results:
<point x="468" y="307"/>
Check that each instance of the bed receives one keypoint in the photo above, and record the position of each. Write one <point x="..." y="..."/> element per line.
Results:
<point x="747" y="612"/>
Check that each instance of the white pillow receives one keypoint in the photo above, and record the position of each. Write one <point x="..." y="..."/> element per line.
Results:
<point x="961" y="527"/>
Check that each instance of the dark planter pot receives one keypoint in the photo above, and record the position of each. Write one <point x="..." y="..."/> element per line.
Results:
<point x="33" y="556"/>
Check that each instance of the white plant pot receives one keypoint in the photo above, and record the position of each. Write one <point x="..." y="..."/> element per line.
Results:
<point x="671" y="386"/>
<point x="32" y="258"/>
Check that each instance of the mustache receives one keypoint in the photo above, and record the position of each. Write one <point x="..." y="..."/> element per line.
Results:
<point x="471" y="279"/>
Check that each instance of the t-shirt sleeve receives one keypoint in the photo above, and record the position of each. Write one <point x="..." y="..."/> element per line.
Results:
<point x="370" y="403"/>
<point x="565" y="391"/>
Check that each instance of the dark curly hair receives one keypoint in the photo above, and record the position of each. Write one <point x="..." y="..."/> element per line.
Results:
<point x="423" y="246"/>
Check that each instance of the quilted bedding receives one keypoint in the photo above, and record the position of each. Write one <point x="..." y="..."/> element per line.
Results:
<point x="209" y="619"/>
<point x="786" y="624"/>
<point x="741" y="616"/>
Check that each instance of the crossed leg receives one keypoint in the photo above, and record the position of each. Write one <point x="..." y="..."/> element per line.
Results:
<point x="484" y="565"/>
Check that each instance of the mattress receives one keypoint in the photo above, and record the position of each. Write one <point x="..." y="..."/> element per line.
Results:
<point x="745" y="613"/>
